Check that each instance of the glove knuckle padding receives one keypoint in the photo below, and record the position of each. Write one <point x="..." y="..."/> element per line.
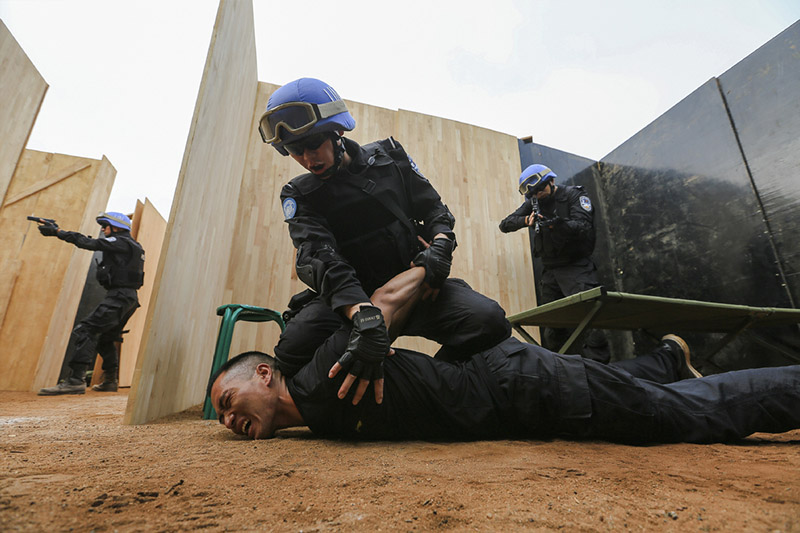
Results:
<point x="346" y="359"/>
<point x="369" y="343"/>
<point x="436" y="259"/>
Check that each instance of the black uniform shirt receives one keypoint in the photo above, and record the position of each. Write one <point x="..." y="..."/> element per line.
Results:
<point x="348" y="240"/>
<point x="513" y="389"/>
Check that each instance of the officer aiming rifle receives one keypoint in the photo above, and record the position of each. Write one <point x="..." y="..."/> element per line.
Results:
<point x="563" y="239"/>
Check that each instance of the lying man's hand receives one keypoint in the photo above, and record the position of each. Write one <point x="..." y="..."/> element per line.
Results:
<point x="368" y="347"/>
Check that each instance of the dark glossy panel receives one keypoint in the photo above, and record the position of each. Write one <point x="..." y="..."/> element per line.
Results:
<point x="683" y="219"/>
<point x="684" y="222"/>
<point x="704" y="203"/>
<point x="763" y="96"/>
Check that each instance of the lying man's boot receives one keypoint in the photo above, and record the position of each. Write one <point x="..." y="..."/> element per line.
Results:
<point x="108" y="385"/>
<point x="679" y="347"/>
<point x="70" y="385"/>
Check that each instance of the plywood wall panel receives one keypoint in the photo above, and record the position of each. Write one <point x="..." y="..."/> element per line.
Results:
<point x="42" y="278"/>
<point x="22" y="90"/>
<point x="475" y="171"/>
<point x="175" y="356"/>
<point x="148" y="229"/>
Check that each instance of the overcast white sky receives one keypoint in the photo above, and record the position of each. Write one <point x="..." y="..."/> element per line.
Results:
<point x="581" y="76"/>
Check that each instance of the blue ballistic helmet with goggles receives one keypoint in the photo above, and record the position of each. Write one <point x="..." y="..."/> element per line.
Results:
<point x="535" y="178"/>
<point x="302" y="108"/>
<point x="118" y="220"/>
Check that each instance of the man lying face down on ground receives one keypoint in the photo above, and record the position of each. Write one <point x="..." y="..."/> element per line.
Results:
<point x="514" y="390"/>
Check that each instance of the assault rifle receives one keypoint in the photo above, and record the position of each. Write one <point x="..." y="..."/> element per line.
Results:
<point x="535" y="214"/>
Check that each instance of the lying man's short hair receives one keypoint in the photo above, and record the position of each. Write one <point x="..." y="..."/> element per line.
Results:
<point x="242" y="366"/>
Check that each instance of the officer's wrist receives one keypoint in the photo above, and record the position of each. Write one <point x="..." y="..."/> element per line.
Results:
<point x="350" y="310"/>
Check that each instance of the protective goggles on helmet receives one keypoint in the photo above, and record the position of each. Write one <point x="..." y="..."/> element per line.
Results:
<point x="118" y="220"/>
<point x="535" y="183"/>
<point x="295" y="118"/>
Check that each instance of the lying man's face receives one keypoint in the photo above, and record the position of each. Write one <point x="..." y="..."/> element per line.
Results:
<point x="246" y="405"/>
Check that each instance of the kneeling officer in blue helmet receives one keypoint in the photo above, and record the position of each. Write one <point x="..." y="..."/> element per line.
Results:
<point x="120" y="272"/>
<point x="358" y="217"/>
<point x="564" y="236"/>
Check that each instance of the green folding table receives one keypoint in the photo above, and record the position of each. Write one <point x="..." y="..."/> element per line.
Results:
<point x="601" y="309"/>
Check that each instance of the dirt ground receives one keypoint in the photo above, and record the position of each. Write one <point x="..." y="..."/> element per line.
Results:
<point x="68" y="464"/>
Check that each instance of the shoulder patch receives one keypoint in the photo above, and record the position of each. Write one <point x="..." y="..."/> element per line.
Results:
<point x="586" y="204"/>
<point x="113" y="239"/>
<point x="414" y="166"/>
<point x="289" y="208"/>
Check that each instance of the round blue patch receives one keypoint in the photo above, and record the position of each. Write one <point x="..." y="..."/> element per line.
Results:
<point x="289" y="208"/>
<point x="586" y="203"/>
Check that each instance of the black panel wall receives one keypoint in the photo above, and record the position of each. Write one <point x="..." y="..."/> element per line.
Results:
<point x="763" y="96"/>
<point x="704" y="203"/>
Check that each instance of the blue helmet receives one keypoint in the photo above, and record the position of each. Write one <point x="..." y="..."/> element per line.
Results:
<point x="535" y="178"/>
<point x="118" y="220"/>
<point x="301" y="108"/>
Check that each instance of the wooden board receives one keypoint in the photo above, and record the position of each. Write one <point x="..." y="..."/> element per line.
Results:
<point x="475" y="171"/>
<point x="149" y="226"/>
<point x="19" y="104"/>
<point x="176" y="352"/>
<point x="42" y="278"/>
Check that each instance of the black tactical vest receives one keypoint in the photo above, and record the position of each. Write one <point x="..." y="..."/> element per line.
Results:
<point x="118" y="270"/>
<point x="369" y="213"/>
<point x="556" y="251"/>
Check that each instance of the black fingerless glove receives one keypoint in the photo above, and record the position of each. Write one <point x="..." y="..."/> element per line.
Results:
<point x="436" y="259"/>
<point x="551" y="222"/>
<point x="368" y="345"/>
<point x="48" y="231"/>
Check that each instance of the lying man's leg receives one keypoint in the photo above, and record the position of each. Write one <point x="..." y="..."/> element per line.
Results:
<point x="717" y="408"/>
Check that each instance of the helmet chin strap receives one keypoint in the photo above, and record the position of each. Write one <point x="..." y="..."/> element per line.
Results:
<point x="338" y="155"/>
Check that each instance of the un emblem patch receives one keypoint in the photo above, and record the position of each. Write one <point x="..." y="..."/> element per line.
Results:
<point x="289" y="208"/>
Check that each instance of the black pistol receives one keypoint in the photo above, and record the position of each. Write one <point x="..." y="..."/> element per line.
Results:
<point x="44" y="221"/>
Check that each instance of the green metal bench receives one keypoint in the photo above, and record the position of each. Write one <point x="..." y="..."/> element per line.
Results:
<point x="230" y="314"/>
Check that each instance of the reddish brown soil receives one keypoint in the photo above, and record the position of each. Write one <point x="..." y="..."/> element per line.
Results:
<point x="69" y="464"/>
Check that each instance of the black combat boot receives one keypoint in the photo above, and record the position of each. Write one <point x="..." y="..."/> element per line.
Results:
<point x="679" y="347"/>
<point x="110" y="382"/>
<point x="75" y="384"/>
